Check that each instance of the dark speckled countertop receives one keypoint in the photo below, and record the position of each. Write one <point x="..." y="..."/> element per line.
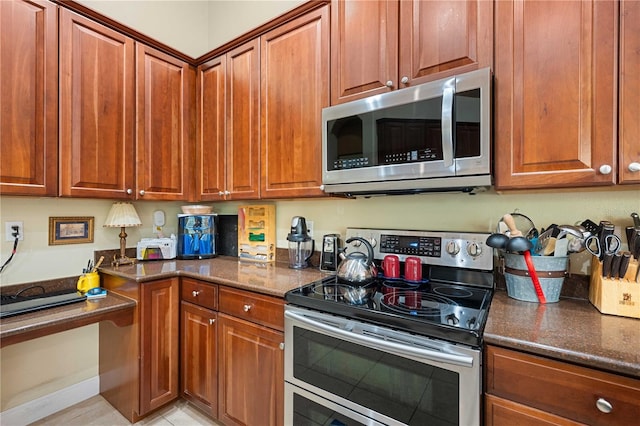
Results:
<point x="570" y="330"/>
<point x="273" y="279"/>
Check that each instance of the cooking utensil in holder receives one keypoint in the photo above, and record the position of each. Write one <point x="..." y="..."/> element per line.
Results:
<point x="615" y="296"/>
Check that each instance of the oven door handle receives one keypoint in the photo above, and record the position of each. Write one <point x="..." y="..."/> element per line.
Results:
<point x="399" y="349"/>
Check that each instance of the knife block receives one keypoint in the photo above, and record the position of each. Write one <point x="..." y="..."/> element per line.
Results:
<point x="619" y="297"/>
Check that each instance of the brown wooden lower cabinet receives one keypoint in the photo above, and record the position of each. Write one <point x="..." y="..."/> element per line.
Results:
<point x="199" y="364"/>
<point x="232" y="361"/>
<point x="251" y="373"/>
<point x="523" y="389"/>
<point x="138" y="364"/>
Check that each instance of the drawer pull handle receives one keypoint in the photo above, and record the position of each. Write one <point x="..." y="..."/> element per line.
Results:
<point x="195" y="293"/>
<point x="604" y="405"/>
<point x="246" y="308"/>
<point x="211" y="321"/>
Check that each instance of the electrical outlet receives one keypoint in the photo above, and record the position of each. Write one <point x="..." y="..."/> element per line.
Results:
<point x="9" y="231"/>
<point x="310" y="228"/>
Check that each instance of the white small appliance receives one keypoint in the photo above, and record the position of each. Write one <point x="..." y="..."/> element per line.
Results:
<point x="157" y="248"/>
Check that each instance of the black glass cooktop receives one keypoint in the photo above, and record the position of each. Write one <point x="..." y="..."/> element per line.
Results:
<point x="442" y="310"/>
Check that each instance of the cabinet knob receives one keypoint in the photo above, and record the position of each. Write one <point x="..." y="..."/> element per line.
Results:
<point x="281" y="346"/>
<point x="634" y="167"/>
<point x="195" y="293"/>
<point x="605" y="169"/>
<point x="389" y="83"/>
<point x="211" y="321"/>
<point x="404" y="80"/>
<point x="227" y="192"/>
<point x="129" y="191"/>
<point x="221" y="193"/>
<point x="141" y="192"/>
<point x="246" y="308"/>
<point x="604" y="405"/>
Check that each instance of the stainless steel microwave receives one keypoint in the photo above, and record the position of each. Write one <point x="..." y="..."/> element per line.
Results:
<point x="429" y="137"/>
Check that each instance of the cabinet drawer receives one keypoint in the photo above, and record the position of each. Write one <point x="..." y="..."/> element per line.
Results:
<point x="200" y="293"/>
<point x="258" y="308"/>
<point x="563" y="389"/>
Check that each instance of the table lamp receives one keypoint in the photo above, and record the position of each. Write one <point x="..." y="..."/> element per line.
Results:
<point x="122" y="215"/>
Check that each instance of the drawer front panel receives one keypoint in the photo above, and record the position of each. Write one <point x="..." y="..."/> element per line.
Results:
<point x="564" y="389"/>
<point x="200" y="293"/>
<point x="257" y="308"/>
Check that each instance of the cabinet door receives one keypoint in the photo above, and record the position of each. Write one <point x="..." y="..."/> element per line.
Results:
<point x="364" y="49"/>
<point x="555" y="93"/>
<point x="29" y="98"/>
<point x="159" y="316"/>
<point x="165" y="126"/>
<point x="295" y="88"/>
<point x="251" y="373"/>
<point x="443" y="38"/>
<point x="96" y="110"/>
<point x="210" y="145"/>
<point x="243" y="122"/>
<point x="629" y="92"/>
<point x="199" y="368"/>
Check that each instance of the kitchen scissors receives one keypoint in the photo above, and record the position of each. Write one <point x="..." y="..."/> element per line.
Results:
<point x="609" y="245"/>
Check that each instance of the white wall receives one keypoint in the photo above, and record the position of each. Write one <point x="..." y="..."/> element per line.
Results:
<point x="246" y="15"/>
<point x="194" y="27"/>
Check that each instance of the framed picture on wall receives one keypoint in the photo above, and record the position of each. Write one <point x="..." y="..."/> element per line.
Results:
<point x="70" y="230"/>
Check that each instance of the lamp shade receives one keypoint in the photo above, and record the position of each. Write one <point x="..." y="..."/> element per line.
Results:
<point x="122" y="215"/>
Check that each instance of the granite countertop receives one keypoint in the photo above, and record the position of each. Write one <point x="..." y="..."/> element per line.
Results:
<point x="20" y="328"/>
<point x="273" y="279"/>
<point x="570" y="330"/>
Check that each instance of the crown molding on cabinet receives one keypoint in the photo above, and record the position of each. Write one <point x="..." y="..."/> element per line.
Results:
<point x="138" y="36"/>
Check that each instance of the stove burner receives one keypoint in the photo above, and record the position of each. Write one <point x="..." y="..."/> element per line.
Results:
<point x="417" y="303"/>
<point x="452" y="291"/>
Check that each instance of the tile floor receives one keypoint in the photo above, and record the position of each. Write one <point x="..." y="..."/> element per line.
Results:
<point x="96" y="411"/>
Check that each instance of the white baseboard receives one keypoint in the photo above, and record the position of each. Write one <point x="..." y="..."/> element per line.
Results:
<point x="44" y="406"/>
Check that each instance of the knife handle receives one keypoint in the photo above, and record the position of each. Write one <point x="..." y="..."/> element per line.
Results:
<point x="606" y="265"/>
<point x="624" y="264"/>
<point x="615" y="265"/>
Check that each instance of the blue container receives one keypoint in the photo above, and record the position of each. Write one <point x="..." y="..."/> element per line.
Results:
<point x="197" y="236"/>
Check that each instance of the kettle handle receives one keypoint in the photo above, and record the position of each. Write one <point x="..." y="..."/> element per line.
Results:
<point x="367" y="245"/>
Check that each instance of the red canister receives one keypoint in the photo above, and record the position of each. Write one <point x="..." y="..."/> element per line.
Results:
<point x="413" y="269"/>
<point x="391" y="266"/>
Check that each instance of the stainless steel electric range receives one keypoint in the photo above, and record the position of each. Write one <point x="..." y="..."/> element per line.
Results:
<point x="402" y="352"/>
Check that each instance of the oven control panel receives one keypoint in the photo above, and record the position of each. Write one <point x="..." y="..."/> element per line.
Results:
<point x="440" y="248"/>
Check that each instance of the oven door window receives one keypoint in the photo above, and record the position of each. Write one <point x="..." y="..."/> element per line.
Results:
<point x="411" y="392"/>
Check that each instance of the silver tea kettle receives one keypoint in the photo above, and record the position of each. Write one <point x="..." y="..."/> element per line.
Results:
<point x="357" y="267"/>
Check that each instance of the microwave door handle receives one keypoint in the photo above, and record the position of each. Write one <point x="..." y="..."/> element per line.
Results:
<point x="447" y="126"/>
<point x="397" y="348"/>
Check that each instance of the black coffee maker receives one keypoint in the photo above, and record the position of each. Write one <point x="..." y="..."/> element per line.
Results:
<point x="300" y="243"/>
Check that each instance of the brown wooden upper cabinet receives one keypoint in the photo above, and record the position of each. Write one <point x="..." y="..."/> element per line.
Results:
<point x="29" y="98"/>
<point x="228" y="131"/>
<point x="97" y="109"/>
<point x="166" y="126"/>
<point x="294" y="89"/>
<point x="379" y="46"/>
<point x="629" y="120"/>
<point x="556" y="93"/>
<point x="105" y="83"/>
